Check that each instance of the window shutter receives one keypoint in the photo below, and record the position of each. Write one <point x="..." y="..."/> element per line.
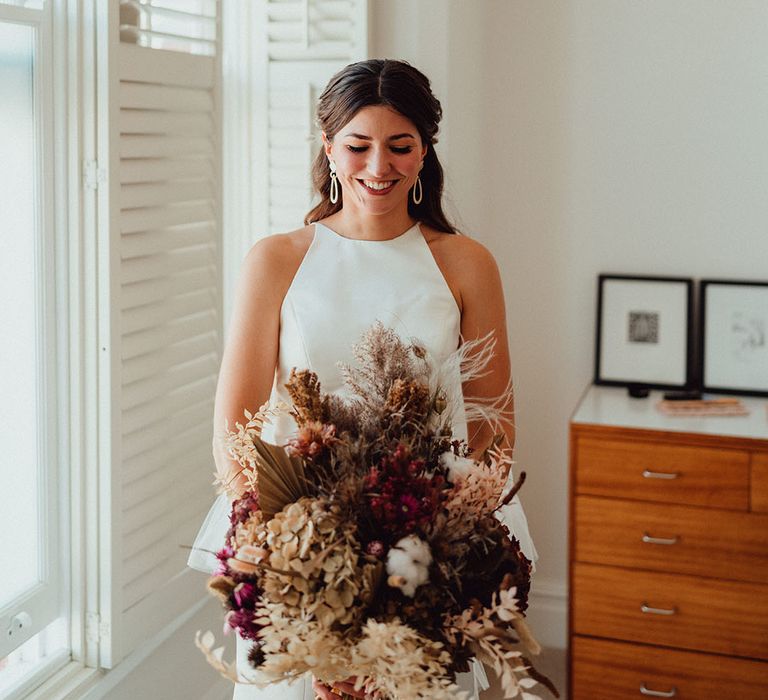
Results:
<point x="300" y="45"/>
<point x="307" y="42"/>
<point x="165" y="317"/>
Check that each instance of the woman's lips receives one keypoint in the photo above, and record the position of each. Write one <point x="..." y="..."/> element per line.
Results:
<point x="378" y="191"/>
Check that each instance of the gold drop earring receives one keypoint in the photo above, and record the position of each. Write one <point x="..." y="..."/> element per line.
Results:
<point x="417" y="185"/>
<point x="334" y="195"/>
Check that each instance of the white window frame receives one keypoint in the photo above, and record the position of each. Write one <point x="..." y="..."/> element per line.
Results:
<point x="43" y="602"/>
<point x="68" y="117"/>
<point x="85" y="49"/>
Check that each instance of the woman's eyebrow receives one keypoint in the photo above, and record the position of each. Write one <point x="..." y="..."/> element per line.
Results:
<point x="363" y="137"/>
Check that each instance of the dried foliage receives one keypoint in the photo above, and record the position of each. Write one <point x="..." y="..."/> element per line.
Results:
<point x="490" y="632"/>
<point x="368" y="545"/>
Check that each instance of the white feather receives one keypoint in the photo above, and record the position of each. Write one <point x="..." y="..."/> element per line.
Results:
<point x="469" y="362"/>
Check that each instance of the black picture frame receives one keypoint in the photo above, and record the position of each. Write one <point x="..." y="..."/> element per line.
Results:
<point x="733" y="337"/>
<point x="668" y="330"/>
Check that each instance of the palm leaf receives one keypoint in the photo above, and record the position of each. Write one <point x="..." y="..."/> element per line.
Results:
<point x="281" y="478"/>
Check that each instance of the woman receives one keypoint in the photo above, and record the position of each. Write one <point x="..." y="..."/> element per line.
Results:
<point x="377" y="247"/>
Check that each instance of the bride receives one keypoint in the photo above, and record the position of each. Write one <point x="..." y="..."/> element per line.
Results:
<point x="377" y="247"/>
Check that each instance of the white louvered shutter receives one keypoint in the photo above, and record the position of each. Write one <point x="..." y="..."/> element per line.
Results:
<point x="164" y="188"/>
<point x="305" y="42"/>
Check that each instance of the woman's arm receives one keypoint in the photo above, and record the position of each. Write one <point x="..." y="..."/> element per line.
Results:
<point x="482" y="311"/>
<point x="251" y="349"/>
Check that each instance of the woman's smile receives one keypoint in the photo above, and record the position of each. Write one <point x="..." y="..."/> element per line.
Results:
<point x="378" y="187"/>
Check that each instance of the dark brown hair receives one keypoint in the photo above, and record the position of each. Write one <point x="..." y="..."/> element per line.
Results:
<point x="394" y="84"/>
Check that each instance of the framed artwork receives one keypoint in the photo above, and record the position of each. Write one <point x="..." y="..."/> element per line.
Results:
<point x="644" y="331"/>
<point x="734" y="337"/>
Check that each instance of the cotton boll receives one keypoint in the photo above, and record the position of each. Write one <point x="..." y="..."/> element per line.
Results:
<point x="416" y="548"/>
<point x="408" y="564"/>
<point x="458" y="467"/>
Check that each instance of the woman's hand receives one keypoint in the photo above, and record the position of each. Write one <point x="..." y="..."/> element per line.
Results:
<point x="347" y="687"/>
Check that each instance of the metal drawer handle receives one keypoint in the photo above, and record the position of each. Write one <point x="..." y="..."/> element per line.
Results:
<point x="660" y="475"/>
<point x="658" y="693"/>
<point x="659" y="540"/>
<point x="657" y="611"/>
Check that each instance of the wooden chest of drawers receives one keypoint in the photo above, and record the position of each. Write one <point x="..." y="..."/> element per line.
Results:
<point x="668" y="555"/>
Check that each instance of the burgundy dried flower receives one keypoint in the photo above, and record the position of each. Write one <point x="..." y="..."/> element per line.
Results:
<point x="243" y="508"/>
<point x="245" y="595"/>
<point x="403" y="498"/>
<point x="244" y="622"/>
<point x="225" y="553"/>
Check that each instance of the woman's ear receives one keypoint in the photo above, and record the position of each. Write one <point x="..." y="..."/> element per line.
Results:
<point x="326" y="144"/>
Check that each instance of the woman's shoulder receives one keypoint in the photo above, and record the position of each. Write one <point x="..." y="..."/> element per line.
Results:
<point x="459" y="251"/>
<point x="274" y="259"/>
<point x="280" y="248"/>
<point x="282" y="244"/>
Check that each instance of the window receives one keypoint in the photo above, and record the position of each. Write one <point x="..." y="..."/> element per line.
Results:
<point x="32" y="546"/>
<point x="187" y="26"/>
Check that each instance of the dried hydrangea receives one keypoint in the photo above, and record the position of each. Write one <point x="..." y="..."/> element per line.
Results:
<point x="315" y="568"/>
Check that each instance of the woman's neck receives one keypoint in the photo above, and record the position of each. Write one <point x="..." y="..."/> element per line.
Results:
<point x="351" y="224"/>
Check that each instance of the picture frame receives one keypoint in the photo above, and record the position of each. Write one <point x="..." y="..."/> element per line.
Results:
<point x="644" y="331"/>
<point x="733" y="337"/>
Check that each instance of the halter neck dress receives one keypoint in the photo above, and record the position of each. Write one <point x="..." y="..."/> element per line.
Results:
<point x="342" y="286"/>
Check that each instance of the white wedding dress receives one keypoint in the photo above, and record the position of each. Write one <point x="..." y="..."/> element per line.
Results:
<point x="341" y="288"/>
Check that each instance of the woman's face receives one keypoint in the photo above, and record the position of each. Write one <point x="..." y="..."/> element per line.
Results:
<point x="378" y="155"/>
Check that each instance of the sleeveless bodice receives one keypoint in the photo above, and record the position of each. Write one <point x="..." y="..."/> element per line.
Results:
<point x="341" y="288"/>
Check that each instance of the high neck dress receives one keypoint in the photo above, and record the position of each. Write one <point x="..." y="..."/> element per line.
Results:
<point x="341" y="288"/>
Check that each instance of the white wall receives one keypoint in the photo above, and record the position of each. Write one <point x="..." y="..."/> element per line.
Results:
<point x="588" y="136"/>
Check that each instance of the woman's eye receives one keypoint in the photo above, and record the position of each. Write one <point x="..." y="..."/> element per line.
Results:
<point x="395" y="149"/>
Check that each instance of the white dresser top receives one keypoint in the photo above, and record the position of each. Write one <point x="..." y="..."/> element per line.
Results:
<point x="612" y="406"/>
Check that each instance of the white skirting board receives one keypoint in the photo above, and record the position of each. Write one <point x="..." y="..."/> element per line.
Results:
<point x="548" y="613"/>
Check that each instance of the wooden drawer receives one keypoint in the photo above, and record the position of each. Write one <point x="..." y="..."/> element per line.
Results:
<point x="760" y="482"/>
<point x="713" y="615"/>
<point x="700" y="476"/>
<point x="672" y="538"/>
<point x="607" y="670"/>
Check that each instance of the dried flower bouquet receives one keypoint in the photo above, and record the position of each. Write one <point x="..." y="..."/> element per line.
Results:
<point x="368" y="545"/>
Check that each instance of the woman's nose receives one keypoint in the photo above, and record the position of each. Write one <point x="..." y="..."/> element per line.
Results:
<point x="378" y="162"/>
